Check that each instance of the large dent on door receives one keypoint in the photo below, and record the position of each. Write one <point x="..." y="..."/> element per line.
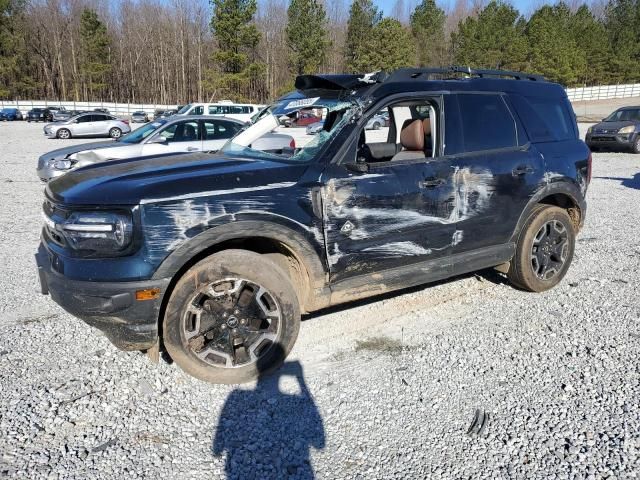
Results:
<point x="470" y="192"/>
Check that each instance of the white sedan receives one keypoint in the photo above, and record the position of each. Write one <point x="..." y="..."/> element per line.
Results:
<point x="89" y="124"/>
<point x="166" y="135"/>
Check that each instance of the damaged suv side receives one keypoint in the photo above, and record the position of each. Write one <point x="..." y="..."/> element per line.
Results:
<point x="213" y="258"/>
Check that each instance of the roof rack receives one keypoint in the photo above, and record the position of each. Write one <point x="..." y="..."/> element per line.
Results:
<point x="404" y="74"/>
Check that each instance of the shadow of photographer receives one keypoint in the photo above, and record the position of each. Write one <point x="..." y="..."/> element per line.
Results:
<point x="268" y="432"/>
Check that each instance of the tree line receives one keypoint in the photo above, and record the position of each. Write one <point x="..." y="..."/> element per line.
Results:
<point x="176" y="51"/>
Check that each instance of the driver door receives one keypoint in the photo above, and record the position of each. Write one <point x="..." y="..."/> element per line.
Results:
<point x="178" y="137"/>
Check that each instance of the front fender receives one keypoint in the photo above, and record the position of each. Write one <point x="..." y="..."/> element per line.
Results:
<point x="302" y="242"/>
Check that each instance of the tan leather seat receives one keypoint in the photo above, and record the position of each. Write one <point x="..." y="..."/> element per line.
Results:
<point x="428" y="140"/>
<point x="412" y="140"/>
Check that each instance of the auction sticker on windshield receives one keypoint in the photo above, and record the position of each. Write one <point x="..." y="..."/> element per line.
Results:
<point x="305" y="102"/>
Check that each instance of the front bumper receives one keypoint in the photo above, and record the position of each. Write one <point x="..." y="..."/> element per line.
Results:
<point x="611" y="141"/>
<point x="111" y="307"/>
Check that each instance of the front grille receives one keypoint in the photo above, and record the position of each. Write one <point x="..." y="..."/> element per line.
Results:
<point x="56" y="214"/>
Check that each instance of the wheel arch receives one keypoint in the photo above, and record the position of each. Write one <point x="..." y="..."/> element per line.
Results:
<point x="563" y="194"/>
<point x="290" y="249"/>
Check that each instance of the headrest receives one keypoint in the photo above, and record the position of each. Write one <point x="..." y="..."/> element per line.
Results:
<point x="412" y="135"/>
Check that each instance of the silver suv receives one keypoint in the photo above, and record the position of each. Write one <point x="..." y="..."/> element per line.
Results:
<point x="90" y="124"/>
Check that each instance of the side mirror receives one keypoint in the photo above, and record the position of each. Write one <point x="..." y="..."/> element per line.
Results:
<point x="159" y="139"/>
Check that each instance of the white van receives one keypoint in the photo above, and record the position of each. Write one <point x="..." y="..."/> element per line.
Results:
<point x="225" y="108"/>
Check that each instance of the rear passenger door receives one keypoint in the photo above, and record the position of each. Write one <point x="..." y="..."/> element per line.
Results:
<point x="216" y="133"/>
<point x="496" y="169"/>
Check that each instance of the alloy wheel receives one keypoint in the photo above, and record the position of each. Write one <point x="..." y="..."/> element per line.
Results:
<point x="549" y="250"/>
<point x="231" y="323"/>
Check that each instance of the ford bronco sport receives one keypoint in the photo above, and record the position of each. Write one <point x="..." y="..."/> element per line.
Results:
<point x="212" y="258"/>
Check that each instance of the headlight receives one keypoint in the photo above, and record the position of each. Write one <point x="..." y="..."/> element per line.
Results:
<point x="63" y="164"/>
<point x="628" y="129"/>
<point x="100" y="232"/>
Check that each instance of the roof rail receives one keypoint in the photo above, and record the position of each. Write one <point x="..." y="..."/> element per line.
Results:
<point x="404" y="74"/>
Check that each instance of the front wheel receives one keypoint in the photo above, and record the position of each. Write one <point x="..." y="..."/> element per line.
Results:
<point x="232" y="317"/>
<point x="63" y="133"/>
<point x="115" y="132"/>
<point x="544" y="250"/>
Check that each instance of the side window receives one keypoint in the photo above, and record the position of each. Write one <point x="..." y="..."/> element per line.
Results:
<point x="100" y="118"/>
<point x="215" y="110"/>
<point x="219" y="130"/>
<point x="402" y="131"/>
<point x="545" y="119"/>
<point x="85" y="119"/>
<point x="487" y="123"/>
<point x="199" y="110"/>
<point x="181" y="132"/>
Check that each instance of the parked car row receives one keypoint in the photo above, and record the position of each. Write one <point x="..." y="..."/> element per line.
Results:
<point x="180" y="134"/>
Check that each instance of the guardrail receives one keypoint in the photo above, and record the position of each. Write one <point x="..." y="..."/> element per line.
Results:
<point x="117" y="109"/>
<point x="604" y="92"/>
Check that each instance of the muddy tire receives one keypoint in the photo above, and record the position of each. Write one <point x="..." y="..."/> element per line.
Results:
<point x="231" y="317"/>
<point x="544" y="249"/>
<point x="63" y="133"/>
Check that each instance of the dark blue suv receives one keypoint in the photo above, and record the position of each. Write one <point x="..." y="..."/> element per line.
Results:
<point x="213" y="257"/>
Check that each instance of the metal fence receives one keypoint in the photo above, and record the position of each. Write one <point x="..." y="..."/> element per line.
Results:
<point x="118" y="109"/>
<point x="604" y="92"/>
<point x="126" y="109"/>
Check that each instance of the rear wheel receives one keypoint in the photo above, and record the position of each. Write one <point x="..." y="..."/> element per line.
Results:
<point x="544" y="250"/>
<point x="115" y="132"/>
<point x="232" y="317"/>
<point x="63" y="133"/>
<point x="376" y="126"/>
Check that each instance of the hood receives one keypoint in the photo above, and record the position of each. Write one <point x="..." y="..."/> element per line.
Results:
<point x="167" y="177"/>
<point x="612" y="125"/>
<point x="63" y="152"/>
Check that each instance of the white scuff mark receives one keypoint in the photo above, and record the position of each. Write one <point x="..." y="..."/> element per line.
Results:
<point x="218" y="193"/>
<point x="550" y="176"/>
<point x="470" y="193"/>
<point x="399" y="249"/>
<point x="458" y="235"/>
<point x="334" y="257"/>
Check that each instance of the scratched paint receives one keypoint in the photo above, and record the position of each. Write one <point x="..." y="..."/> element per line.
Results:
<point x="399" y="249"/>
<point x="470" y="195"/>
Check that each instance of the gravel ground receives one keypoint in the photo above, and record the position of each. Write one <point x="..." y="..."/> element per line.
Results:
<point x="384" y="389"/>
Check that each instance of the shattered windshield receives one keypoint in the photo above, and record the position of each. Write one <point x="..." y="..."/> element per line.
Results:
<point x="285" y="122"/>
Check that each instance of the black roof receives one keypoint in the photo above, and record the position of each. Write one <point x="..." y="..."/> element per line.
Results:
<point x="454" y="78"/>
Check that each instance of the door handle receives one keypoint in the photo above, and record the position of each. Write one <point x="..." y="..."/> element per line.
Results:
<point x="431" y="183"/>
<point x="192" y="149"/>
<point x="521" y="170"/>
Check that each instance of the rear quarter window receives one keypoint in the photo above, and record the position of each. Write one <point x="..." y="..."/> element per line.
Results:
<point x="545" y="119"/>
<point x="487" y="123"/>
